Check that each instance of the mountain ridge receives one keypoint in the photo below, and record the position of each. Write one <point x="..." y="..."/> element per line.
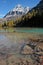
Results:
<point x="17" y="11"/>
<point x="34" y="18"/>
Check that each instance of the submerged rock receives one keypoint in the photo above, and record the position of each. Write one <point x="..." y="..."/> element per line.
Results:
<point x="39" y="49"/>
<point x="27" y="50"/>
<point x="32" y="44"/>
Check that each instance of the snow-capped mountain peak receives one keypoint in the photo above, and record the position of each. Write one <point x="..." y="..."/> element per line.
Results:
<point x="17" y="11"/>
<point x="19" y="8"/>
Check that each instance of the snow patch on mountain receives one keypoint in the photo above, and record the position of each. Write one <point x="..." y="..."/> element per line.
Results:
<point x="18" y="10"/>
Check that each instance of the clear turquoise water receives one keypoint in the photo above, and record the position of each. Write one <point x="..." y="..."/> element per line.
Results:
<point x="31" y="30"/>
<point x="12" y="43"/>
<point x="24" y="30"/>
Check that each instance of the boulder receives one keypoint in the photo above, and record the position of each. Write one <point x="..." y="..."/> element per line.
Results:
<point x="27" y="50"/>
<point x="39" y="49"/>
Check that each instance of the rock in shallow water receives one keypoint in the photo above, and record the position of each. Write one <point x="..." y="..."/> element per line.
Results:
<point x="27" y="50"/>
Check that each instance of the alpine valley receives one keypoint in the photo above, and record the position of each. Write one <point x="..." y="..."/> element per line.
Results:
<point x="24" y="16"/>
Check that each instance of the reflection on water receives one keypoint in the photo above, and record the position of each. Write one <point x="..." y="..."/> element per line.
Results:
<point x="27" y="30"/>
<point x="12" y="40"/>
<point x="16" y="37"/>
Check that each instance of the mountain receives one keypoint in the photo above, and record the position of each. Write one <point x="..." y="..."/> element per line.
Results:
<point x="34" y="18"/>
<point x="39" y="7"/>
<point x="23" y="17"/>
<point x="16" y="12"/>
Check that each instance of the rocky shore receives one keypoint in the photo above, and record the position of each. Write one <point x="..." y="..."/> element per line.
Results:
<point x="26" y="51"/>
<point x="34" y="48"/>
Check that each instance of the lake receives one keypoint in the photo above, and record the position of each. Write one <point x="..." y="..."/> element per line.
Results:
<point x="13" y="39"/>
<point x="24" y="30"/>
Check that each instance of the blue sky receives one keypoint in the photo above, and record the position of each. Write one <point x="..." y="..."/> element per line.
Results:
<point x="7" y="5"/>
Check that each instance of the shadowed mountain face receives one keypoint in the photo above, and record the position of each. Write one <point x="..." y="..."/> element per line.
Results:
<point x="39" y="6"/>
<point x="34" y="18"/>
